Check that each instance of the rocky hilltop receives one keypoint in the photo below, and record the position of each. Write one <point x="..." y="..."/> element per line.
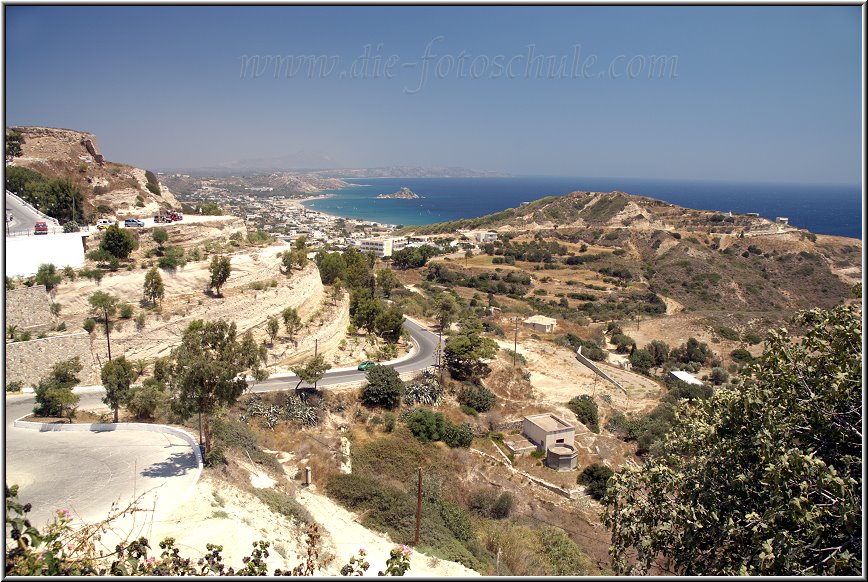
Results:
<point x="404" y="193"/>
<point x="109" y="188"/>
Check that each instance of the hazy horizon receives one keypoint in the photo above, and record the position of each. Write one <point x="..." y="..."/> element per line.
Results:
<point x="712" y="93"/>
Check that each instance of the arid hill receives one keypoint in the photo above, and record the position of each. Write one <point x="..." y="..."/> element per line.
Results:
<point x="706" y="260"/>
<point x="113" y="189"/>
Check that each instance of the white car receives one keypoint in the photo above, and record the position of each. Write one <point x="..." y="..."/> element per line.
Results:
<point x="103" y="223"/>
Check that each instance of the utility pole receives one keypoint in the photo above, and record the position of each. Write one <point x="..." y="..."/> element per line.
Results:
<point x="315" y="352"/>
<point x="418" y="507"/>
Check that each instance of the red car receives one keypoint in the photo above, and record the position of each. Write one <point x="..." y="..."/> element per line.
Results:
<point x="176" y="216"/>
<point x="40" y="228"/>
<point x="162" y="218"/>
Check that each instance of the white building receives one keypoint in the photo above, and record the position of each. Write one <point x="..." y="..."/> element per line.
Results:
<point x="382" y="246"/>
<point x="541" y="323"/>
<point x="485" y="237"/>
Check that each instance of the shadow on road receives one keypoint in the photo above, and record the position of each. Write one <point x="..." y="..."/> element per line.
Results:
<point x="176" y="465"/>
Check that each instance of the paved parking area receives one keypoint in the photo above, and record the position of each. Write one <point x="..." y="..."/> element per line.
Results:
<point x="86" y="472"/>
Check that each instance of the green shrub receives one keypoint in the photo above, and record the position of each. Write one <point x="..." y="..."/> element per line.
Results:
<point x="60" y="327"/>
<point x="482" y="500"/>
<point x="146" y="400"/>
<point x="89" y="324"/>
<point x="285" y="505"/>
<point x="728" y="333"/>
<point x="117" y="241"/>
<point x="457" y="520"/>
<point x="14" y="386"/>
<point x="586" y="411"/>
<point x="595" y="478"/>
<point x="503" y="506"/>
<point x="477" y="397"/>
<point x="623" y="342"/>
<point x="389" y="421"/>
<point x="394" y="456"/>
<point x="719" y="376"/>
<point x="93" y="274"/>
<point x="457" y="435"/>
<point x="741" y="355"/>
<point x="125" y="311"/>
<point x="561" y="555"/>
<point x="53" y="394"/>
<point x="468" y="410"/>
<point x="384" y="388"/>
<point x="426" y="425"/>
<point x="47" y="275"/>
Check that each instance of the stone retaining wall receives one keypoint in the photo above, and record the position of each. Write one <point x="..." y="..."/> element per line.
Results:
<point x="29" y="362"/>
<point x="29" y="308"/>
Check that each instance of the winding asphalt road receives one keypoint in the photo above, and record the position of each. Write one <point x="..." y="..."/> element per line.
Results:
<point x="86" y="471"/>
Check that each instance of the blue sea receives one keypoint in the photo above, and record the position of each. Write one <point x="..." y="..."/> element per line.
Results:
<point x="833" y="209"/>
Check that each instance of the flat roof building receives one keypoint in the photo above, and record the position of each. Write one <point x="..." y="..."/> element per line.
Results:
<point x="555" y="437"/>
<point x="382" y="246"/>
<point x="541" y="323"/>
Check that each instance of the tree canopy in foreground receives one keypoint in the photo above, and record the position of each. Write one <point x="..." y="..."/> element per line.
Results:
<point x="760" y="479"/>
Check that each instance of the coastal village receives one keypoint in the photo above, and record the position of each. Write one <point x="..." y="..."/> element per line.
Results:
<point x="285" y="217"/>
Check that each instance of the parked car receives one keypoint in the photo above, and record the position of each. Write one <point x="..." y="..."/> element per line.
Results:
<point x="162" y="218"/>
<point x="40" y="228"/>
<point x="366" y="365"/>
<point x="176" y="216"/>
<point x="103" y="223"/>
<point x="133" y="222"/>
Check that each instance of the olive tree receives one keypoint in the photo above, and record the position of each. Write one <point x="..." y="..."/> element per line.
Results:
<point x="116" y="376"/>
<point x="763" y="478"/>
<point x="311" y="372"/>
<point x="220" y="269"/>
<point x="208" y="370"/>
<point x="291" y="321"/>
<point x="154" y="290"/>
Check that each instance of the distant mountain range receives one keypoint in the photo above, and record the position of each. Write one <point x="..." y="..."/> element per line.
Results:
<point x="320" y="165"/>
<point x="411" y="172"/>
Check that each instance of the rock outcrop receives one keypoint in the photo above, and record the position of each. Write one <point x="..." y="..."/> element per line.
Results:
<point x="74" y="155"/>
<point x="403" y="193"/>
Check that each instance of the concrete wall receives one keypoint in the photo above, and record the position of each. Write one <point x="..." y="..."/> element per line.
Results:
<point x="566" y="436"/>
<point x="24" y="254"/>
<point x="29" y="362"/>
<point x="29" y="308"/>
<point x="581" y="358"/>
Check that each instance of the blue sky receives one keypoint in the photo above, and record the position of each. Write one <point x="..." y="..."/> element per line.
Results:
<point x="739" y="93"/>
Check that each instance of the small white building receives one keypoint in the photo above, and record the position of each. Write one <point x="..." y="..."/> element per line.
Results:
<point x="685" y="377"/>
<point x="485" y="237"/>
<point x="541" y="323"/>
<point x="782" y="220"/>
<point x="555" y="437"/>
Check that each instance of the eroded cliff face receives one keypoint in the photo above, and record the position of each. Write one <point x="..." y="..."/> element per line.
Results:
<point x="111" y="189"/>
